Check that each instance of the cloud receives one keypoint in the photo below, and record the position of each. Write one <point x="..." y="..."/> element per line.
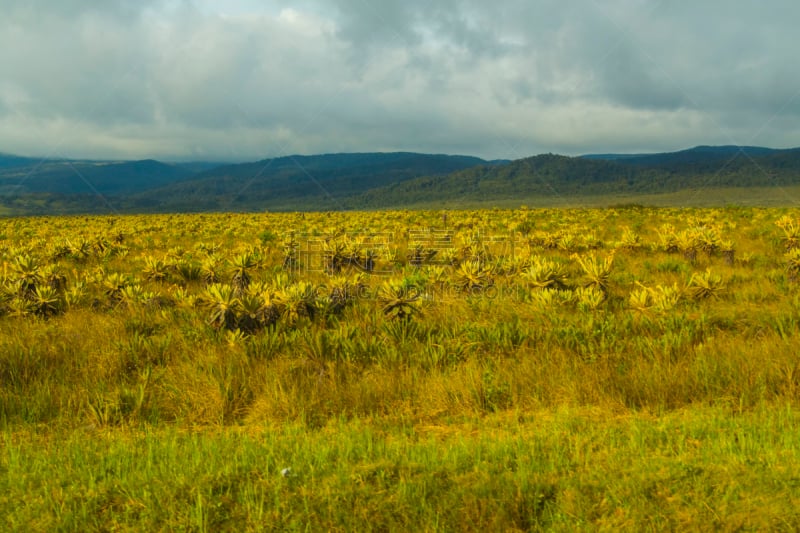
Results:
<point x="250" y="79"/>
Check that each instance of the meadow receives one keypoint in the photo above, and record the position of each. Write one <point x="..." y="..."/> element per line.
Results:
<point x="523" y="369"/>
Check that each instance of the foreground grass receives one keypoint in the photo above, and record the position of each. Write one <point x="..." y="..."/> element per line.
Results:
<point x="706" y="468"/>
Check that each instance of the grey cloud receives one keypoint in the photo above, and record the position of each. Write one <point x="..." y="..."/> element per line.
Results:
<point x="495" y="79"/>
<point x="711" y="56"/>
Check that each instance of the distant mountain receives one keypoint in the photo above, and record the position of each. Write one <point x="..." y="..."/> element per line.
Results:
<point x="299" y="182"/>
<point x="741" y="166"/>
<point x="196" y="167"/>
<point x="699" y="155"/>
<point x="88" y="177"/>
<point x="12" y="161"/>
<point x="561" y="177"/>
<point x="376" y="180"/>
<point x="545" y="175"/>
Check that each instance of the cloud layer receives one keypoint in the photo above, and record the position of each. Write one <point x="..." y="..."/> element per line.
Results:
<point x="187" y="79"/>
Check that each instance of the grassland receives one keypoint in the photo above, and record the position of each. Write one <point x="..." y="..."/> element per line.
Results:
<point x="529" y="369"/>
<point x="704" y="196"/>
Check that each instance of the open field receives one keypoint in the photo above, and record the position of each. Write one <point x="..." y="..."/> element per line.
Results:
<point x="528" y="369"/>
<point x="704" y="196"/>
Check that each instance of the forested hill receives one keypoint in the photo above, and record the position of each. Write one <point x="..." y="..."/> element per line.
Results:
<point x="704" y="159"/>
<point x="558" y="176"/>
<point x="542" y="175"/>
<point x="20" y="176"/>
<point x="299" y="182"/>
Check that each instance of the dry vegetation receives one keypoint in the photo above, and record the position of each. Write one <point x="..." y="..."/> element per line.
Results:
<point x="503" y="369"/>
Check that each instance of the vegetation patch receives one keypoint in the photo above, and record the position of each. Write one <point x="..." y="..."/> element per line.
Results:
<point x="630" y="368"/>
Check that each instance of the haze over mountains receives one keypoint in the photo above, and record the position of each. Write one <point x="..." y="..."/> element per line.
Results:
<point x="374" y="180"/>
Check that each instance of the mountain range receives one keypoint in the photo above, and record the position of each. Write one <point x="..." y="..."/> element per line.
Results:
<point x="375" y="180"/>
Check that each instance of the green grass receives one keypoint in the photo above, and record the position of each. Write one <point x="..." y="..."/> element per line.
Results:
<point x="563" y="470"/>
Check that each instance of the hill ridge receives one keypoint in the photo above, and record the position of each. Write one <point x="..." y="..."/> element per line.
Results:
<point x="356" y="180"/>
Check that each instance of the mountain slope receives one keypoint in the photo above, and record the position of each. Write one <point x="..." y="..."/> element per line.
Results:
<point x="560" y="176"/>
<point x="88" y="177"/>
<point x="542" y="175"/>
<point x="299" y="182"/>
<point x="690" y="158"/>
<point x="13" y="161"/>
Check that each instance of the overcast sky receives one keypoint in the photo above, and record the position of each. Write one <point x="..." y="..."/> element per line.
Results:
<point x="246" y="79"/>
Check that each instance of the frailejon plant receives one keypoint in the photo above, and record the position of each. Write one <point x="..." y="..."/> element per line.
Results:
<point x="545" y="273"/>
<point x="793" y="264"/>
<point x="668" y="239"/>
<point x="705" y="285"/>
<point x="298" y="300"/>
<point x="370" y="257"/>
<point x="54" y="277"/>
<point x="472" y="249"/>
<point x="222" y="305"/>
<point x="589" y="298"/>
<point x="512" y="266"/>
<point x="728" y="250"/>
<point x="131" y="295"/>
<point x="241" y="267"/>
<point x="688" y="244"/>
<point x="549" y="298"/>
<point x="254" y="314"/>
<point x="183" y="298"/>
<point x="21" y="306"/>
<point x="334" y="256"/>
<point x="791" y="232"/>
<point x="46" y="301"/>
<point x="80" y="249"/>
<point x="26" y="274"/>
<point x="666" y="297"/>
<point x="630" y="241"/>
<point x="75" y="295"/>
<point x="353" y="252"/>
<point x="211" y="269"/>
<point x="343" y="291"/>
<point x="399" y="299"/>
<point x="661" y="299"/>
<point x="549" y="240"/>
<point x="641" y="299"/>
<point x="7" y="293"/>
<point x="708" y="240"/>
<point x="113" y="284"/>
<point x="569" y="242"/>
<point x="58" y="250"/>
<point x="290" y="249"/>
<point x="597" y="270"/>
<point x="188" y="270"/>
<point x="473" y="275"/>
<point x="155" y="269"/>
<point x="437" y="275"/>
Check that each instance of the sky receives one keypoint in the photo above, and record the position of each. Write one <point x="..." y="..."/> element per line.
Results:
<point x="241" y="80"/>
